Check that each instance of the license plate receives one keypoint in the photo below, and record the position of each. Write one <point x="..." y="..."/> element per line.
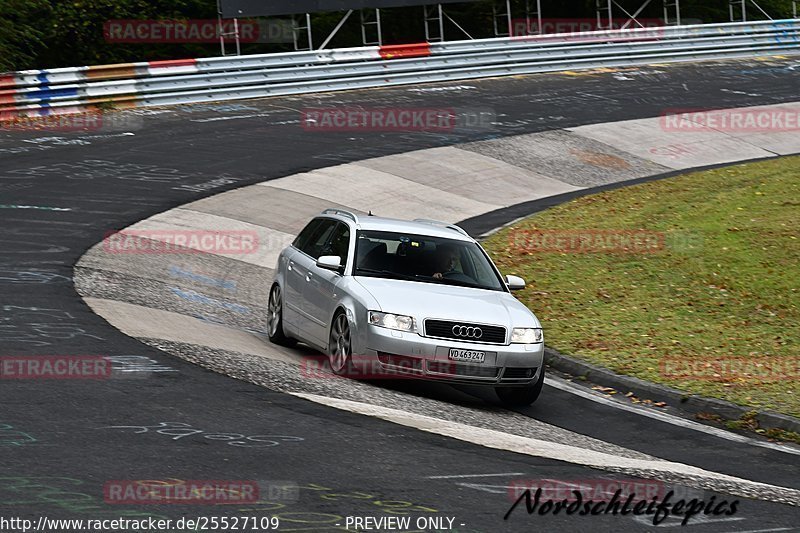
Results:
<point x="469" y="356"/>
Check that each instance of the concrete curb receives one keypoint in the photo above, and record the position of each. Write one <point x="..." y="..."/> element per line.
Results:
<point x="691" y="403"/>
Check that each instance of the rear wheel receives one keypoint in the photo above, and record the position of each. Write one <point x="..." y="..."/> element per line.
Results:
<point x="521" y="396"/>
<point x="340" y="350"/>
<point x="275" y="318"/>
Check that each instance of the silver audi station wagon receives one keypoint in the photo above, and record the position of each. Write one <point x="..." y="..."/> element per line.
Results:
<point x="420" y="299"/>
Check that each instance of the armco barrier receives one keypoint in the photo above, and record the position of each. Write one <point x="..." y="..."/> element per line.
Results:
<point x="70" y="90"/>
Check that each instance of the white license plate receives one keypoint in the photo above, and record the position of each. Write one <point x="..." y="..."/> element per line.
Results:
<point x="470" y="356"/>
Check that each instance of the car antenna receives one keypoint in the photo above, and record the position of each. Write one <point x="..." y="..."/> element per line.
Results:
<point x="370" y="214"/>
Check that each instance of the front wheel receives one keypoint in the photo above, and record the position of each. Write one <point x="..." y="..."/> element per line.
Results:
<point x="275" y="318"/>
<point x="521" y="396"/>
<point x="340" y="350"/>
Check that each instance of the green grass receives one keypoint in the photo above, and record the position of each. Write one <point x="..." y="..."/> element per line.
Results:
<point x="724" y="284"/>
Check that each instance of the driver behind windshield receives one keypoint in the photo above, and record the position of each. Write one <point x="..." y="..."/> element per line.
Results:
<point x="446" y="260"/>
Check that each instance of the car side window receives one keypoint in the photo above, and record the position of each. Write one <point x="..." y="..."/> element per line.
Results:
<point x="339" y="243"/>
<point x="305" y="235"/>
<point x="317" y="240"/>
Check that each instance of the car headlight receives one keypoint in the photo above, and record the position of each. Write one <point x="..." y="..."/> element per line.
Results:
<point x="392" y="321"/>
<point x="526" y="335"/>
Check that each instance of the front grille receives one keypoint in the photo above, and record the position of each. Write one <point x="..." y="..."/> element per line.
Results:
<point x="458" y="369"/>
<point x="519" y="373"/>
<point x="443" y="329"/>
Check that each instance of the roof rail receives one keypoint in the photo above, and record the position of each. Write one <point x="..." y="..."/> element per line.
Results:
<point x="341" y="212"/>
<point x="441" y="224"/>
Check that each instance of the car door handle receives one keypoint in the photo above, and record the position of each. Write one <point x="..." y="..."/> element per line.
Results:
<point x="309" y="276"/>
<point x="291" y="266"/>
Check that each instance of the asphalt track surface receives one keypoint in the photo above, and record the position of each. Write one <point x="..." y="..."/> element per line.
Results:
<point x="340" y="463"/>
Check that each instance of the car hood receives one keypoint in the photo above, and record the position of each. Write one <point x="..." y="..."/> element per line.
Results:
<point x="448" y="302"/>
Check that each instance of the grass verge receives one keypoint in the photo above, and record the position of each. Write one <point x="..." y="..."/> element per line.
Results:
<point x="692" y="282"/>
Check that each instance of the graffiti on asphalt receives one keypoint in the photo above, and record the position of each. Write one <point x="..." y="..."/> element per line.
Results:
<point x="179" y="430"/>
<point x="10" y="436"/>
<point x="38" y="326"/>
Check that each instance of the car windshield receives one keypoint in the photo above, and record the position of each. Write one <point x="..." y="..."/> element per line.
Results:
<point x="424" y="259"/>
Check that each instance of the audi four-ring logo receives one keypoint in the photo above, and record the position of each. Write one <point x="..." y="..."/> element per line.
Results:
<point x="467" y="331"/>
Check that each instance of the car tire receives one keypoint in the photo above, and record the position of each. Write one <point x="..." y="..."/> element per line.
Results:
<point x="340" y="347"/>
<point x="275" y="318"/>
<point x="521" y="396"/>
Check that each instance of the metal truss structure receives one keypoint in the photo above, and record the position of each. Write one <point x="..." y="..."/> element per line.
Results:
<point x="505" y="21"/>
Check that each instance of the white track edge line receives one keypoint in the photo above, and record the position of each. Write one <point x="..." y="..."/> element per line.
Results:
<point x="534" y="447"/>
<point x="668" y="418"/>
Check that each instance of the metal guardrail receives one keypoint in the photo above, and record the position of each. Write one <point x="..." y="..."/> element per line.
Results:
<point x="69" y="90"/>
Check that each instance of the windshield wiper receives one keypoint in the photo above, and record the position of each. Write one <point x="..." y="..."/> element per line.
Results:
<point x="386" y="273"/>
<point x="459" y="283"/>
<point x="456" y="282"/>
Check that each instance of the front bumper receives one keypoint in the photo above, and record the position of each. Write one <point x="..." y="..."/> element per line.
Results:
<point x="412" y="355"/>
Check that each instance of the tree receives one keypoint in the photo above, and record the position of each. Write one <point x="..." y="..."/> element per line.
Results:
<point x="21" y="32"/>
<point x="75" y="33"/>
<point x="63" y="33"/>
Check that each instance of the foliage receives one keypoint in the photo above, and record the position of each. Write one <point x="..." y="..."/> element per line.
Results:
<point x="21" y="37"/>
<point x="60" y="33"/>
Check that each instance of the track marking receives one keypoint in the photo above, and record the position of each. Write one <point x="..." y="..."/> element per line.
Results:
<point x="765" y="530"/>
<point x="697" y="520"/>
<point x="477" y="475"/>
<point x="740" y="92"/>
<point x="491" y="489"/>
<point x="570" y="388"/>
<point x="655" y="468"/>
<point x="234" y="117"/>
<point x="39" y="207"/>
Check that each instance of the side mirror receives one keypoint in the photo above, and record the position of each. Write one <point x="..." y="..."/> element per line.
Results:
<point x="515" y="283"/>
<point x="330" y="262"/>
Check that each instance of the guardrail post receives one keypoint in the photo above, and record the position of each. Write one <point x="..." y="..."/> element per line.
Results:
<point x="531" y="14"/>
<point x="503" y="24"/>
<point x="297" y="29"/>
<point x="435" y="16"/>
<point x="675" y="6"/>
<point x="366" y="22"/>
<point x="741" y="14"/>
<point x="602" y="6"/>
<point x="223" y="33"/>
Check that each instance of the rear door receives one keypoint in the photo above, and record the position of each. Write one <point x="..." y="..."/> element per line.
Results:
<point x="300" y="271"/>
<point x="321" y="297"/>
<point x="295" y="276"/>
